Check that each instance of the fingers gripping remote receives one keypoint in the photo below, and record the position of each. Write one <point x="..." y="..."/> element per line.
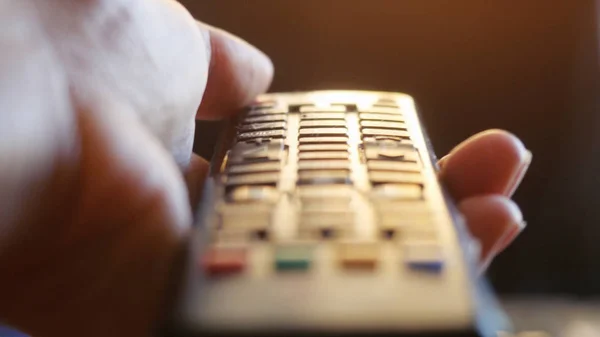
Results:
<point x="323" y="215"/>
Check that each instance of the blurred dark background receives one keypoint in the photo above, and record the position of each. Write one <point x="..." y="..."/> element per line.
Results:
<point x="530" y="67"/>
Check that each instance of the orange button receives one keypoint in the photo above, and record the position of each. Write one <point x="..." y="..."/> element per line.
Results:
<point x="224" y="260"/>
<point x="358" y="255"/>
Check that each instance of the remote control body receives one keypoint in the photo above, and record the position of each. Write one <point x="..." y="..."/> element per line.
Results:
<point x="323" y="215"/>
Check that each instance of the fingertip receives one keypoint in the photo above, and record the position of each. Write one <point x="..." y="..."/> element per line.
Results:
<point x="238" y="72"/>
<point x="491" y="162"/>
<point x="494" y="220"/>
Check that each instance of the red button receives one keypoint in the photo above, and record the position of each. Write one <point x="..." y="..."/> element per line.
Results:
<point x="224" y="260"/>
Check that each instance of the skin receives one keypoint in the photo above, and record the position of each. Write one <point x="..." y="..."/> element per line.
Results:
<point x="97" y="177"/>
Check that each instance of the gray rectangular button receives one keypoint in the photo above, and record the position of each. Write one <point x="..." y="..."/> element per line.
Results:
<point x="246" y="217"/>
<point x="327" y="192"/>
<point x="266" y="194"/>
<point x="269" y="166"/>
<point x="265" y="119"/>
<point x="324" y="155"/>
<point x="383" y="125"/>
<point x="322" y="123"/>
<point x="380" y="177"/>
<point x="396" y="166"/>
<point x="390" y="153"/>
<point x="388" y="141"/>
<point x="326" y="203"/>
<point x="381" y="117"/>
<point x="324" y="140"/>
<point x="323" y="115"/>
<point x="332" y="108"/>
<point x="398" y="192"/>
<point x="263" y="126"/>
<point x="316" y="132"/>
<point x="245" y="153"/>
<point x="315" y="177"/>
<point x="400" y="220"/>
<point x="261" y="134"/>
<point x="324" y="165"/>
<point x="254" y="179"/>
<point x="386" y="132"/>
<point x="323" y="147"/>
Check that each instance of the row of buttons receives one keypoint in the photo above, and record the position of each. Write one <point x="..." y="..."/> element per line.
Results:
<point x="254" y="163"/>
<point x="323" y="157"/>
<point x="220" y="260"/>
<point x="324" y="163"/>
<point x="392" y="160"/>
<point x="253" y="172"/>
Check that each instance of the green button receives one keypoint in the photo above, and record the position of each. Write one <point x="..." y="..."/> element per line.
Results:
<point x="293" y="257"/>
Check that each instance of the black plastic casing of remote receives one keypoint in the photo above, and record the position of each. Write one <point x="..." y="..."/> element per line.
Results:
<point x="323" y="215"/>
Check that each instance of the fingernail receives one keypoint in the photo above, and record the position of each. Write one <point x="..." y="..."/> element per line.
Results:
<point x="519" y="174"/>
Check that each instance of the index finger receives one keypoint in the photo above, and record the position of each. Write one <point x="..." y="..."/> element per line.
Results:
<point x="238" y="72"/>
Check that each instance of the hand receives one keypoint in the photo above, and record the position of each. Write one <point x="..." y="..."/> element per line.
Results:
<point x="482" y="174"/>
<point x="97" y="108"/>
<point x="97" y="101"/>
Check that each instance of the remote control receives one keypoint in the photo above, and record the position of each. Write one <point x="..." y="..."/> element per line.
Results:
<point x="323" y="215"/>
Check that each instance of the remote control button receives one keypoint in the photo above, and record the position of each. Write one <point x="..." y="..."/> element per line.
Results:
<point x="254" y="179"/>
<point x="327" y="192"/>
<point x="293" y="256"/>
<point x="383" y="125"/>
<point x="317" y="132"/>
<point x="250" y="223"/>
<point x="324" y="140"/>
<point x="419" y="234"/>
<point x="393" y="166"/>
<point x="412" y="208"/>
<point x="224" y="260"/>
<point x="382" y="117"/>
<point x="267" y="194"/>
<point x="322" y="123"/>
<point x="358" y="254"/>
<point x="323" y="147"/>
<point x="315" y="177"/>
<point x="385" y="132"/>
<point x="326" y="204"/>
<point x="326" y="224"/>
<point x="245" y="153"/>
<point x="324" y="155"/>
<point x="332" y="108"/>
<point x="387" y="141"/>
<point x="265" y="119"/>
<point x="424" y="256"/>
<point x="230" y="236"/>
<point x="391" y="153"/>
<point x="398" y="192"/>
<point x="323" y="115"/>
<point x="263" y="126"/>
<point x="380" y="177"/>
<point x="326" y="218"/>
<point x="324" y="165"/>
<point x="260" y="167"/>
<point x="394" y="219"/>
<point x="261" y="135"/>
